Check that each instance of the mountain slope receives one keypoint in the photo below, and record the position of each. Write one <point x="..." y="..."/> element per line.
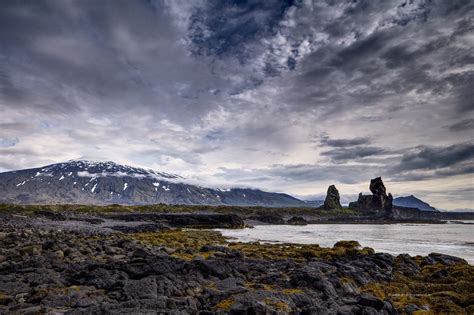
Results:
<point x="91" y="182"/>
<point x="413" y="202"/>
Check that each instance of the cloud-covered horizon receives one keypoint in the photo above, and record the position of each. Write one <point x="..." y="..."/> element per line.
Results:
<point x="287" y="96"/>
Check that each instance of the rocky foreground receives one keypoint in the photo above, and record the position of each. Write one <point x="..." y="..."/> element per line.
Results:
<point x="54" y="264"/>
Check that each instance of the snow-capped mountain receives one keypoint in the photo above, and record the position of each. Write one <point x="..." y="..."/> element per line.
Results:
<point x="94" y="182"/>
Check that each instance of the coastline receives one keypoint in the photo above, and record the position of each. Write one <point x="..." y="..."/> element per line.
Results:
<point x="50" y="265"/>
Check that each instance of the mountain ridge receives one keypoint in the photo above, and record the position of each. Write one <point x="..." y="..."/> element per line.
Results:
<point x="106" y="182"/>
<point x="413" y="202"/>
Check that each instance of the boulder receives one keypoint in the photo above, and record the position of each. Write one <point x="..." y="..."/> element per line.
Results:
<point x="369" y="300"/>
<point x="333" y="200"/>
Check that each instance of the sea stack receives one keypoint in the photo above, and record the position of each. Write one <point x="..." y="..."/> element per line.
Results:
<point x="333" y="200"/>
<point x="378" y="203"/>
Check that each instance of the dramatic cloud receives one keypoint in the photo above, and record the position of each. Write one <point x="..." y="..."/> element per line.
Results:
<point x="467" y="124"/>
<point x="283" y="95"/>
<point x="338" y="143"/>
<point x="426" y="162"/>
<point x="353" y="153"/>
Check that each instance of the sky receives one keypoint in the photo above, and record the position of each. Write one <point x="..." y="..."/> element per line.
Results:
<point x="286" y="96"/>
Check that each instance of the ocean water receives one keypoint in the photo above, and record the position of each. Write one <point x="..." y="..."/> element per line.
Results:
<point x="414" y="239"/>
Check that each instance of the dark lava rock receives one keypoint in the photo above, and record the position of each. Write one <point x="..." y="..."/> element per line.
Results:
<point x="407" y="265"/>
<point x="88" y="220"/>
<point x="222" y="249"/>
<point x="371" y="301"/>
<point x="152" y="227"/>
<point x="55" y="216"/>
<point x="333" y="200"/>
<point x="435" y="258"/>
<point x="61" y="271"/>
<point x="378" y="203"/>
<point x="185" y="220"/>
<point x="268" y="218"/>
<point x="297" y="221"/>
<point x="145" y="288"/>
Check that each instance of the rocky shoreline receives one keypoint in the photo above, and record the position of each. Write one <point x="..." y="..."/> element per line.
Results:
<point x="51" y="265"/>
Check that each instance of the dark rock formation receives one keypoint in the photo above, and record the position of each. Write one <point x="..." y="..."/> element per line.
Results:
<point x="378" y="203"/>
<point x="333" y="200"/>
<point x="414" y="214"/>
<point x="382" y="200"/>
<point x="297" y="221"/>
<point x="268" y="218"/>
<point x="198" y="220"/>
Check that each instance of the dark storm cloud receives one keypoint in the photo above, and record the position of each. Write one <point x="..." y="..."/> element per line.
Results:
<point x="340" y="143"/>
<point x="97" y="56"/>
<point x="302" y="173"/>
<point x="466" y="124"/>
<point x="435" y="162"/>
<point x="350" y="149"/>
<point x="389" y="61"/>
<point x="415" y="164"/>
<point x="348" y="154"/>
<point x="230" y="27"/>
<point x="425" y="157"/>
<point x="241" y="88"/>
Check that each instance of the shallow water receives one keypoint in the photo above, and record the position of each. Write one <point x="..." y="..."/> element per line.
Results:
<point x="414" y="239"/>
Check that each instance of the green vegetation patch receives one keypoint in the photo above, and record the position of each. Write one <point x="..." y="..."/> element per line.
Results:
<point x="187" y="244"/>
<point x="182" y="243"/>
<point x="446" y="289"/>
<point x="165" y="208"/>
<point x="300" y="252"/>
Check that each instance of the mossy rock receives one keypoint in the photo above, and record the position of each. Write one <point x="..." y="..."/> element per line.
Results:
<point x="225" y="304"/>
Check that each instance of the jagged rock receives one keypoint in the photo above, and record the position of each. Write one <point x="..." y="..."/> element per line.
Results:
<point x="333" y="200"/>
<point x="379" y="192"/>
<point x="379" y="202"/>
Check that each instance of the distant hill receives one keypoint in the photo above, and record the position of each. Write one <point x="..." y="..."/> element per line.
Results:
<point x="314" y="203"/>
<point x="413" y="202"/>
<point x="93" y="182"/>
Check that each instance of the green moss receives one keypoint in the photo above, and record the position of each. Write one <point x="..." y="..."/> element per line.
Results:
<point x="298" y="252"/>
<point x="165" y="208"/>
<point x="444" y="288"/>
<point x="292" y="291"/>
<point x="347" y="244"/>
<point x="186" y="243"/>
<point x="224" y="305"/>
